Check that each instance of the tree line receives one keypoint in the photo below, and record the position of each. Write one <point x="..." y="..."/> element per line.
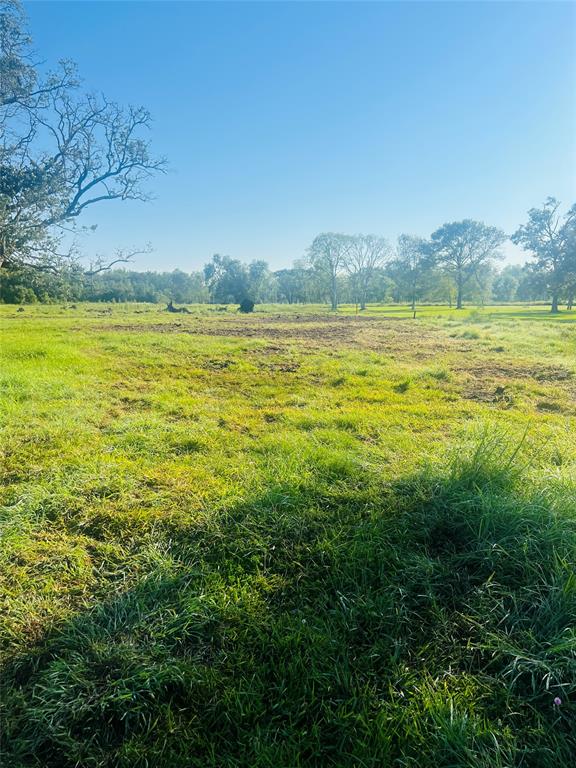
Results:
<point x="64" y="151"/>
<point x="406" y="276"/>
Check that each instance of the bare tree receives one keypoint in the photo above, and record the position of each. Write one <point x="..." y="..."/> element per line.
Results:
<point x="61" y="151"/>
<point x="364" y="254"/>
<point x="327" y="255"/>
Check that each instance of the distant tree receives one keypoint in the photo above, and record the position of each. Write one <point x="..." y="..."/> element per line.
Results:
<point x="570" y="291"/>
<point x="505" y="284"/>
<point x="262" y="285"/>
<point x="290" y="283"/>
<point x="178" y="282"/>
<point x="479" y="289"/>
<point x="441" y="288"/>
<point x="410" y="267"/>
<point x="550" y="238"/>
<point x="227" y="279"/>
<point x="231" y="281"/>
<point x="531" y="285"/>
<point x="315" y="289"/>
<point x="363" y="255"/>
<point x="61" y="151"/>
<point x="327" y="255"/>
<point x="570" y="268"/>
<point x="381" y="286"/>
<point x="158" y="287"/>
<point x="462" y="248"/>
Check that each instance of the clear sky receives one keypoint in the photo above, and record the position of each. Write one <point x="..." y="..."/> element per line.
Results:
<point x="282" y="120"/>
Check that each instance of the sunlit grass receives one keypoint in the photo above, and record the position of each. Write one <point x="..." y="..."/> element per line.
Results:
<point x="282" y="540"/>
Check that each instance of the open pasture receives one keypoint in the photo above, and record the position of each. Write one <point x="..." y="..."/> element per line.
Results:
<point x="288" y="539"/>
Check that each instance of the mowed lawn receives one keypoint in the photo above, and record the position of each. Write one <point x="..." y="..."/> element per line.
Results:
<point x="287" y="539"/>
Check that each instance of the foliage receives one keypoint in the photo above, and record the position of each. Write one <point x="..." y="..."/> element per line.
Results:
<point x="61" y="151"/>
<point x="118" y="285"/>
<point x="463" y="248"/>
<point x="328" y="256"/>
<point x="297" y="286"/>
<point x="411" y="268"/>
<point x="365" y="254"/>
<point x="551" y="239"/>
<point x="294" y="284"/>
<point x="231" y="281"/>
<point x="246" y="306"/>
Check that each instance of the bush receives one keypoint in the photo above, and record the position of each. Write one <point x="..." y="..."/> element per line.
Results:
<point x="246" y="306"/>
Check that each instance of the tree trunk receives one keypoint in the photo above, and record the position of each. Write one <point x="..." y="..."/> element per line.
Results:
<point x="459" y="295"/>
<point x="554" y="309"/>
<point x="570" y="303"/>
<point x="334" y="296"/>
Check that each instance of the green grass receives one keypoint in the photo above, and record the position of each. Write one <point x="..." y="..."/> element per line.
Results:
<point x="287" y="540"/>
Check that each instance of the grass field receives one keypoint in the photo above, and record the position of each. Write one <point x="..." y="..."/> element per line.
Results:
<point x="288" y="539"/>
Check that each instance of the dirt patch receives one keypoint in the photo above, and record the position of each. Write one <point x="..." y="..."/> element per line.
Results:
<point x="499" y="395"/>
<point x="547" y="406"/>
<point x="245" y="332"/>
<point x="287" y="367"/>
<point x="493" y="382"/>
<point x="269" y="350"/>
<point x="217" y="365"/>
<point x="392" y="337"/>
<point x="501" y="370"/>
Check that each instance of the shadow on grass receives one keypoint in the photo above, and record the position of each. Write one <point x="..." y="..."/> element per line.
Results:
<point x="428" y="622"/>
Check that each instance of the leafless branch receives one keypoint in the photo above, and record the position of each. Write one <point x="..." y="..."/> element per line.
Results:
<point x="121" y="257"/>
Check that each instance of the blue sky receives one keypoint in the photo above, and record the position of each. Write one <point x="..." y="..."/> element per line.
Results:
<point x="282" y="120"/>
